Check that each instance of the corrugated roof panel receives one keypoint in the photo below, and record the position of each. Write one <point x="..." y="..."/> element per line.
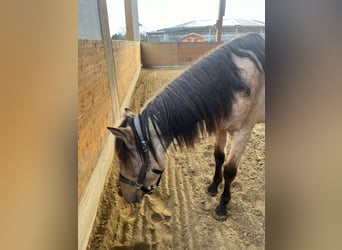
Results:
<point x="210" y="22"/>
<point x="201" y="23"/>
<point x="229" y="22"/>
<point x="226" y="22"/>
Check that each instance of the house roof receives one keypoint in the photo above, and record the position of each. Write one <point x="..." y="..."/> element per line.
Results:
<point x="191" y="34"/>
<point x="211" y="23"/>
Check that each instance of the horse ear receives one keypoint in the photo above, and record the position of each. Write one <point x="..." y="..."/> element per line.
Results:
<point x="129" y="112"/>
<point x="124" y="134"/>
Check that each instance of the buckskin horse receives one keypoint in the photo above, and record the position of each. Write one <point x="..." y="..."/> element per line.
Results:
<point x="222" y="93"/>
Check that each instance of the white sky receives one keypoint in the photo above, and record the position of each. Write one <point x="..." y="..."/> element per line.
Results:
<point x="158" y="14"/>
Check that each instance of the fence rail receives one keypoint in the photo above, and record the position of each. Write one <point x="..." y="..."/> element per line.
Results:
<point x="173" y="54"/>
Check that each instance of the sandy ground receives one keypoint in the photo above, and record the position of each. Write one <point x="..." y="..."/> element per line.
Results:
<point x="178" y="214"/>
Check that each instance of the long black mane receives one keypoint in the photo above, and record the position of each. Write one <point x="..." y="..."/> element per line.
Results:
<point x="201" y="96"/>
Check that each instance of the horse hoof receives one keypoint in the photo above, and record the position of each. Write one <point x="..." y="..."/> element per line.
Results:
<point x="211" y="193"/>
<point x="217" y="217"/>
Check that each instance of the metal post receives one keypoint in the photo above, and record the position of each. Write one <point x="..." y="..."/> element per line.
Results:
<point x="222" y="8"/>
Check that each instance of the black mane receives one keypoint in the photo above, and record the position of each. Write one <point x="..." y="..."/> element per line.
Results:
<point x="202" y="95"/>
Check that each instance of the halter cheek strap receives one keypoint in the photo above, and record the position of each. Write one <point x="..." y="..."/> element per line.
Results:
<point x="143" y="147"/>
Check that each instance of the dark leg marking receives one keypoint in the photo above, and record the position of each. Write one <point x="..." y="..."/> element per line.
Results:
<point x="229" y="172"/>
<point x="219" y="160"/>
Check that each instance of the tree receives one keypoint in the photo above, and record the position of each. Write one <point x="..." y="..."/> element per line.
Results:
<point x="121" y="35"/>
<point x="143" y="37"/>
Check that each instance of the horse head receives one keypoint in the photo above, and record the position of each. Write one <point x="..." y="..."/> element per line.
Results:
<point x="140" y="158"/>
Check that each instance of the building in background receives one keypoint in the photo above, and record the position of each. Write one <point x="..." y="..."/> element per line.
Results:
<point x="192" y="37"/>
<point x="205" y="31"/>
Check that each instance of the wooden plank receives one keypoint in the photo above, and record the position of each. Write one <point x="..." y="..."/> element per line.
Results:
<point x="89" y="202"/>
<point x="126" y="101"/>
<point x="173" y="54"/>
<point x="127" y="62"/>
<point x="159" y="54"/>
<point x="109" y="56"/>
<point x="190" y="52"/>
<point x="132" y="22"/>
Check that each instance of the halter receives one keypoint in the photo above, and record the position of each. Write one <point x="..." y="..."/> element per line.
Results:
<point x="143" y="148"/>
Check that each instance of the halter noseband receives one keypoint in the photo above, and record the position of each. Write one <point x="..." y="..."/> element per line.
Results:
<point x="143" y="148"/>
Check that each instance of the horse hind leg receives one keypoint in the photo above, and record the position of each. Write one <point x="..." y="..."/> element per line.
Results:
<point x="220" y="143"/>
<point x="238" y="145"/>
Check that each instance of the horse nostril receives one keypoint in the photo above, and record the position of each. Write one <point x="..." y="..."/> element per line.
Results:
<point x="137" y="198"/>
<point x="120" y="192"/>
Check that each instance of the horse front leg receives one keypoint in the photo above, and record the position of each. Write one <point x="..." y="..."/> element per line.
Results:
<point x="220" y="144"/>
<point x="238" y="145"/>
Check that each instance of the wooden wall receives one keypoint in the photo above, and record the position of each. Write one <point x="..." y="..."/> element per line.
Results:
<point x="94" y="108"/>
<point x="127" y="65"/>
<point x="170" y="54"/>
<point x="94" y="98"/>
